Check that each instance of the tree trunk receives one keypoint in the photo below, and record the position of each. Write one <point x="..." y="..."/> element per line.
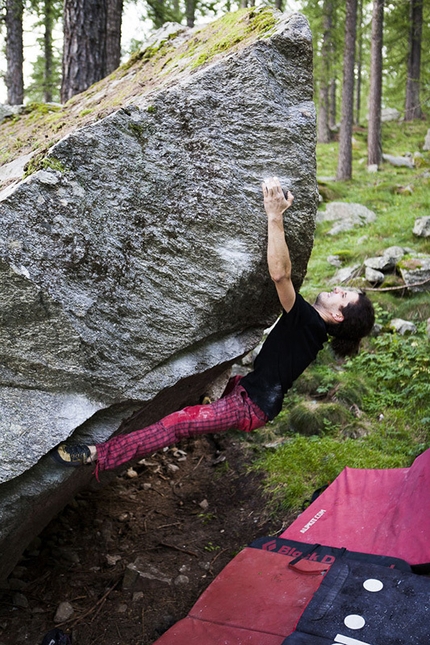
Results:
<point x="412" y="104"/>
<point x="48" y="24"/>
<point x="14" y="52"/>
<point x="323" y="130"/>
<point x="190" y="12"/>
<point x="84" y="53"/>
<point x="113" y="34"/>
<point x="344" y="164"/>
<point x="374" y="149"/>
<point x="359" y="63"/>
<point x="332" y="104"/>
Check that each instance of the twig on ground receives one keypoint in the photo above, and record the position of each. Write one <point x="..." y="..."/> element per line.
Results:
<point x="89" y="611"/>
<point x="165" y="526"/>
<point x="402" y="286"/>
<point x="215" y="558"/>
<point x="198" y="463"/>
<point x="178" y="548"/>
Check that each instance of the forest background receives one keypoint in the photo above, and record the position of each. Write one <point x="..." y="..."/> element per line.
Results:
<point x="367" y="55"/>
<point x="371" y="51"/>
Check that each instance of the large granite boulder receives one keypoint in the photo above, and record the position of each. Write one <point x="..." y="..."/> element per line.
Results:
<point x="133" y="254"/>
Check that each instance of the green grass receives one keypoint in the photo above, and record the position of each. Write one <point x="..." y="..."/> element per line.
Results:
<point x="386" y="388"/>
<point x="303" y="464"/>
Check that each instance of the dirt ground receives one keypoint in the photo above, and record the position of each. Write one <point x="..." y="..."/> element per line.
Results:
<point x="131" y="557"/>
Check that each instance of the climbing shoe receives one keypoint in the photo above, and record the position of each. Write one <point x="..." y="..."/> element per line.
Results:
<point x="72" y="454"/>
<point x="56" y="637"/>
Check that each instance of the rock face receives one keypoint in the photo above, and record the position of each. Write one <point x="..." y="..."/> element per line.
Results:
<point x="346" y="215"/>
<point x="415" y="272"/>
<point x="408" y="162"/>
<point x="133" y="267"/>
<point x="422" y="226"/>
<point x="390" y="114"/>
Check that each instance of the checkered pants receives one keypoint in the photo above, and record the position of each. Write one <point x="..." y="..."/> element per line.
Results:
<point x="234" y="410"/>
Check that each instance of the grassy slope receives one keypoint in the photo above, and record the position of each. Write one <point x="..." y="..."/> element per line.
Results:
<point x="372" y="411"/>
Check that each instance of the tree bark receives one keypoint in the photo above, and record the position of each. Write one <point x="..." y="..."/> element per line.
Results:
<point x="412" y="103"/>
<point x="190" y="12"/>
<point x="14" y="52"/>
<point x="332" y="104"/>
<point x="323" y="127"/>
<point x="344" y="165"/>
<point x="374" y="149"/>
<point x="48" y="24"/>
<point x="84" y="53"/>
<point x="113" y="34"/>
<point x="359" y="63"/>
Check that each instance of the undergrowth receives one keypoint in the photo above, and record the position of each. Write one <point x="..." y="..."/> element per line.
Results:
<point x="385" y="390"/>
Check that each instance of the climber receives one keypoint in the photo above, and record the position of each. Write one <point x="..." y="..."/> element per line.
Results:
<point x="249" y="402"/>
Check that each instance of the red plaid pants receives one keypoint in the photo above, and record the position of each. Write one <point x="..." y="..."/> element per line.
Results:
<point x="234" y="410"/>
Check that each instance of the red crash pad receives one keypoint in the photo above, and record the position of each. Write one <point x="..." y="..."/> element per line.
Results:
<point x="190" y="631"/>
<point x="385" y="512"/>
<point x="257" y="597"/>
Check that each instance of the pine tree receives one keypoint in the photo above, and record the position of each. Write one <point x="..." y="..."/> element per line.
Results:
<point x="14" y="52"/>
<point x="46" y="74"/>
<point x="323" y="130"/>
<point x="360" y="62"/>
<point x="86" y="43"/>
<point x="374" y="152"/>
<point x="412" y="103"/>
<point x="113" y="34"/>
<point x="344" y="165"/>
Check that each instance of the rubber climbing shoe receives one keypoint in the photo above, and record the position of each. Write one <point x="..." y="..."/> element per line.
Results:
<point x="72" y="454"/>
<point x="56" y="637"/>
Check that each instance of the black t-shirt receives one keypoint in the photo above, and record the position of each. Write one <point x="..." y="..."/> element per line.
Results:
<point x="290" y="347"/>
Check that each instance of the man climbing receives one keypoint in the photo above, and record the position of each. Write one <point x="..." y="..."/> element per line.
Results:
<point x="249" y="402"/>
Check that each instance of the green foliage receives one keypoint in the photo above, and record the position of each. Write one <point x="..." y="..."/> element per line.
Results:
<point x="311" y="418"/>
<point x="35" y="109"/>
<point x="398" y="368"/>
<point x="40" y="83"/>
<point x="396" y="47"/>
<point x="41" y="162"/>
<point x="46" y="73"/>
<point x="303" y="464"/>
<point x="162" y="12"/>
<point x="206" y="518"/>
<point x="211" y="547"/>
<point x="232" y="29"/>
<point x="396" y="33"/>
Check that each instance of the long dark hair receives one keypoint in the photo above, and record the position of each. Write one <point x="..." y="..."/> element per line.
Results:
<point x="358" y="321"/>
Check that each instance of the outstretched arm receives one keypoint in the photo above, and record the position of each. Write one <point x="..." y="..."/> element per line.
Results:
<point x="278" y="255"/>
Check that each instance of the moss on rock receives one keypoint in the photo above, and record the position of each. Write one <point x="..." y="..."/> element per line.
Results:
<point x="39" y="126"/>
<point x="312" y="418"/>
